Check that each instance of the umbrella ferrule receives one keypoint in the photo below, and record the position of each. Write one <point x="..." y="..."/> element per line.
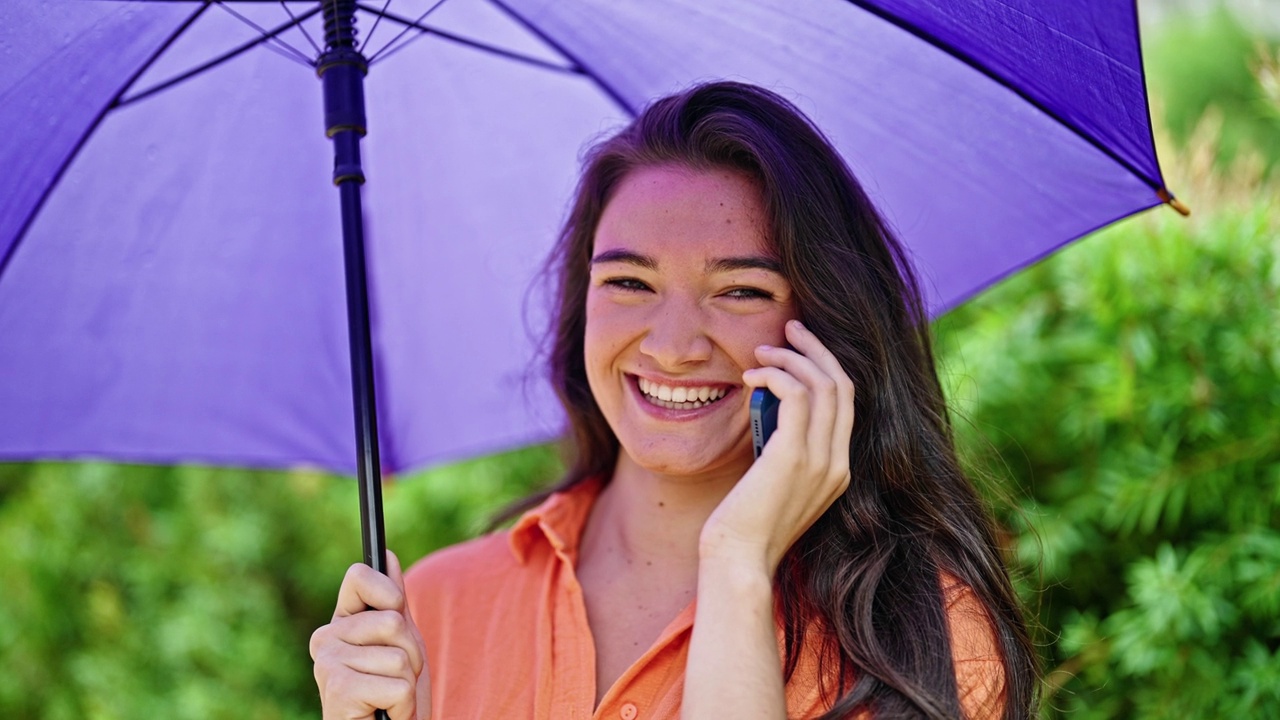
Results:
<point x="1167" y="198"/>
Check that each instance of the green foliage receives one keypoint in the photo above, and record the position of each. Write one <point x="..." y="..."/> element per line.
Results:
<point x="192" y="592"/>
<point x="1198" y="61"/>
<point x="1127" y="394"/>
<point x="158" y="592"/>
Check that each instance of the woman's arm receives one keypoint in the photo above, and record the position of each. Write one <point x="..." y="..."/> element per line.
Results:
<point x="975" y="652"/>
<point x="734" y="669"/>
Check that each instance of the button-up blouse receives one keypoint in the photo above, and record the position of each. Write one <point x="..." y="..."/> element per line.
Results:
<point x="506" y="633"/>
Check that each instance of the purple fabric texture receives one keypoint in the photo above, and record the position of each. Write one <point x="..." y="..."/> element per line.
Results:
<point x="170" y="261"/>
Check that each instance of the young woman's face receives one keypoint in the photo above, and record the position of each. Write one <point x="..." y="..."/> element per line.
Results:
<point x="684" y="287"/>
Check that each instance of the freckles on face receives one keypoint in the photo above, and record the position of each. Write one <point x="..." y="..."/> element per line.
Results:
<point x="684" y="286"/>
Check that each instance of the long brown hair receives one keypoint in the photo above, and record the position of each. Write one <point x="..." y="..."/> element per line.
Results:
<point x="869" y="569"/>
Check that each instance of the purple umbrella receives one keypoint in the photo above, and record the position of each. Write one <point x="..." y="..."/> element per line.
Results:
<point x="171" y="255"/>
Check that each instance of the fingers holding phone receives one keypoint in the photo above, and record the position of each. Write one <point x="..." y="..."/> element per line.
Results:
<point x="804" y="466"/>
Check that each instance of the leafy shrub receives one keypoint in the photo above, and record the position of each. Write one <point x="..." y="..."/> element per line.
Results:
<point x="192" y="592"/>
<point x="1126" y="394"/>
<point x="1202" y="62"/>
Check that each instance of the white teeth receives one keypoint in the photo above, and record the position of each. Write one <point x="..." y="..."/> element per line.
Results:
<point x="680" y="398"/>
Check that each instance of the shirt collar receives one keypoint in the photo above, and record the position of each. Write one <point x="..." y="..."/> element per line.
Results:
<point x="558" y="521"/>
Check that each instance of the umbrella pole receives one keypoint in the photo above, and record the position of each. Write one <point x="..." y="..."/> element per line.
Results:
<point x="341" y="69"/>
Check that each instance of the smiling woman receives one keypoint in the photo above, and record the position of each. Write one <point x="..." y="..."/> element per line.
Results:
<point x="716" y="245"/>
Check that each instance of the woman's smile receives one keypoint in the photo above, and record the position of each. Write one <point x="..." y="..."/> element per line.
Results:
<point x="684" y="287"/>
<point x="681" y="397"/>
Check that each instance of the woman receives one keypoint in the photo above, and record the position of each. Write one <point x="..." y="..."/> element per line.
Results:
<point x="716" y="245"/>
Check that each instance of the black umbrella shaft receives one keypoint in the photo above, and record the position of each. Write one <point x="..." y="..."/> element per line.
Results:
<point x="368" y="467"/>
<point x="341" y="69"/>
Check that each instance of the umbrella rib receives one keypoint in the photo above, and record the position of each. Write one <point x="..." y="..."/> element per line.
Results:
<point x="973" y="63"/>
<point x="291" y="53"/>
<point x="605" y="87"/>
<point x="407" y="27"/>
<point x="303" y="28"/>
<point x="369" y="38"/>
<point x="121" y="102"/>
<point x="88" y="131"/>
<point x="475" y="44"/>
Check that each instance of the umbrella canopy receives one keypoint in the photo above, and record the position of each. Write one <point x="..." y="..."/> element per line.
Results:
<point x="170" y="243"/>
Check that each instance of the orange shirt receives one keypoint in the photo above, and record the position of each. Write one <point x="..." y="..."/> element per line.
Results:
<point x="507" y="638"/>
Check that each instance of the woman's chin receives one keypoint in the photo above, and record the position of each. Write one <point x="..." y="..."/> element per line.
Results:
<point x="691" y="460"/>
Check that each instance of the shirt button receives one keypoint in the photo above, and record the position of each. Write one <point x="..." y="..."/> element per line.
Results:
<point x="628" y="711"/>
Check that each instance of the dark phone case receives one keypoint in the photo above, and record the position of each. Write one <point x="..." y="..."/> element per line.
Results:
<point x="764" y="417"/>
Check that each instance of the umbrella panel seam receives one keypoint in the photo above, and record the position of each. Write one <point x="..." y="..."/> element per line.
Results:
<point x="89" y="131"/>
<point x="211" y="64"/>
<point x="970" y="61"/>
<point x="600" y="82"/>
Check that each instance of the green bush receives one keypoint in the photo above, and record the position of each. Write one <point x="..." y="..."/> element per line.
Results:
<point x="158" y="592"/>
<point x="1207" y="62"/>
<point x="1126" y="394"/>
<point x="191" y="593"/>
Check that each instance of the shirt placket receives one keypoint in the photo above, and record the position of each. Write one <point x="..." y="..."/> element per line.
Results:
<point x="573" y="662"/>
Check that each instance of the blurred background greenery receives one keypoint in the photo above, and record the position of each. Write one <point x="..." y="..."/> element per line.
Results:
<point x="1120" y="403"/>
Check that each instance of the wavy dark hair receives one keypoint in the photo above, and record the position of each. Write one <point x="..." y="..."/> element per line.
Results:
<point x="868" y="571"/>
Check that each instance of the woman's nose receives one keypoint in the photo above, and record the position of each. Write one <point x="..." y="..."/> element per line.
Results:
<point x="676" y="337"/>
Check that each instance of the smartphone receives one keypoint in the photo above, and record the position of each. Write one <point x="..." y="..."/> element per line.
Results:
<point x="764" y="417"/>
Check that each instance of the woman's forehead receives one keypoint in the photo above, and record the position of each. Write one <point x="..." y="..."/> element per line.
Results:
<point x="678" y="212"/>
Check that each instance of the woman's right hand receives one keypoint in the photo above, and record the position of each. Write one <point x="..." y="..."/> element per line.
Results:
<point x="370" y="656"/>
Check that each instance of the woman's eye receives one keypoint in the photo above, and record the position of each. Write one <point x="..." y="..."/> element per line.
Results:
<point x="749" y="293"/>
<point x="626" y="283"/>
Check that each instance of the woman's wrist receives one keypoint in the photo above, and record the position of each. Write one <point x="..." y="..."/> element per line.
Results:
<point x="727" y="551"/>
<point x="742" y="572"/>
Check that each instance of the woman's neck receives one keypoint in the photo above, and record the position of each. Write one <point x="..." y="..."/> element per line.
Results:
<point x="645" y="517"/>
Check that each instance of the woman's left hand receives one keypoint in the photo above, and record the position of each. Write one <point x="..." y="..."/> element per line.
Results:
<point x="804" y="467"/>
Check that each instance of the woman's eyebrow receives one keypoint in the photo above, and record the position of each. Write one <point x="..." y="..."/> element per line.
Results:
<point x="625" y="256"/>
<point x="751" y="262"/>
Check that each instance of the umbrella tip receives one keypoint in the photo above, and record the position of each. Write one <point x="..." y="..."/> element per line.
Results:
<point x="1173" y="202"/>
